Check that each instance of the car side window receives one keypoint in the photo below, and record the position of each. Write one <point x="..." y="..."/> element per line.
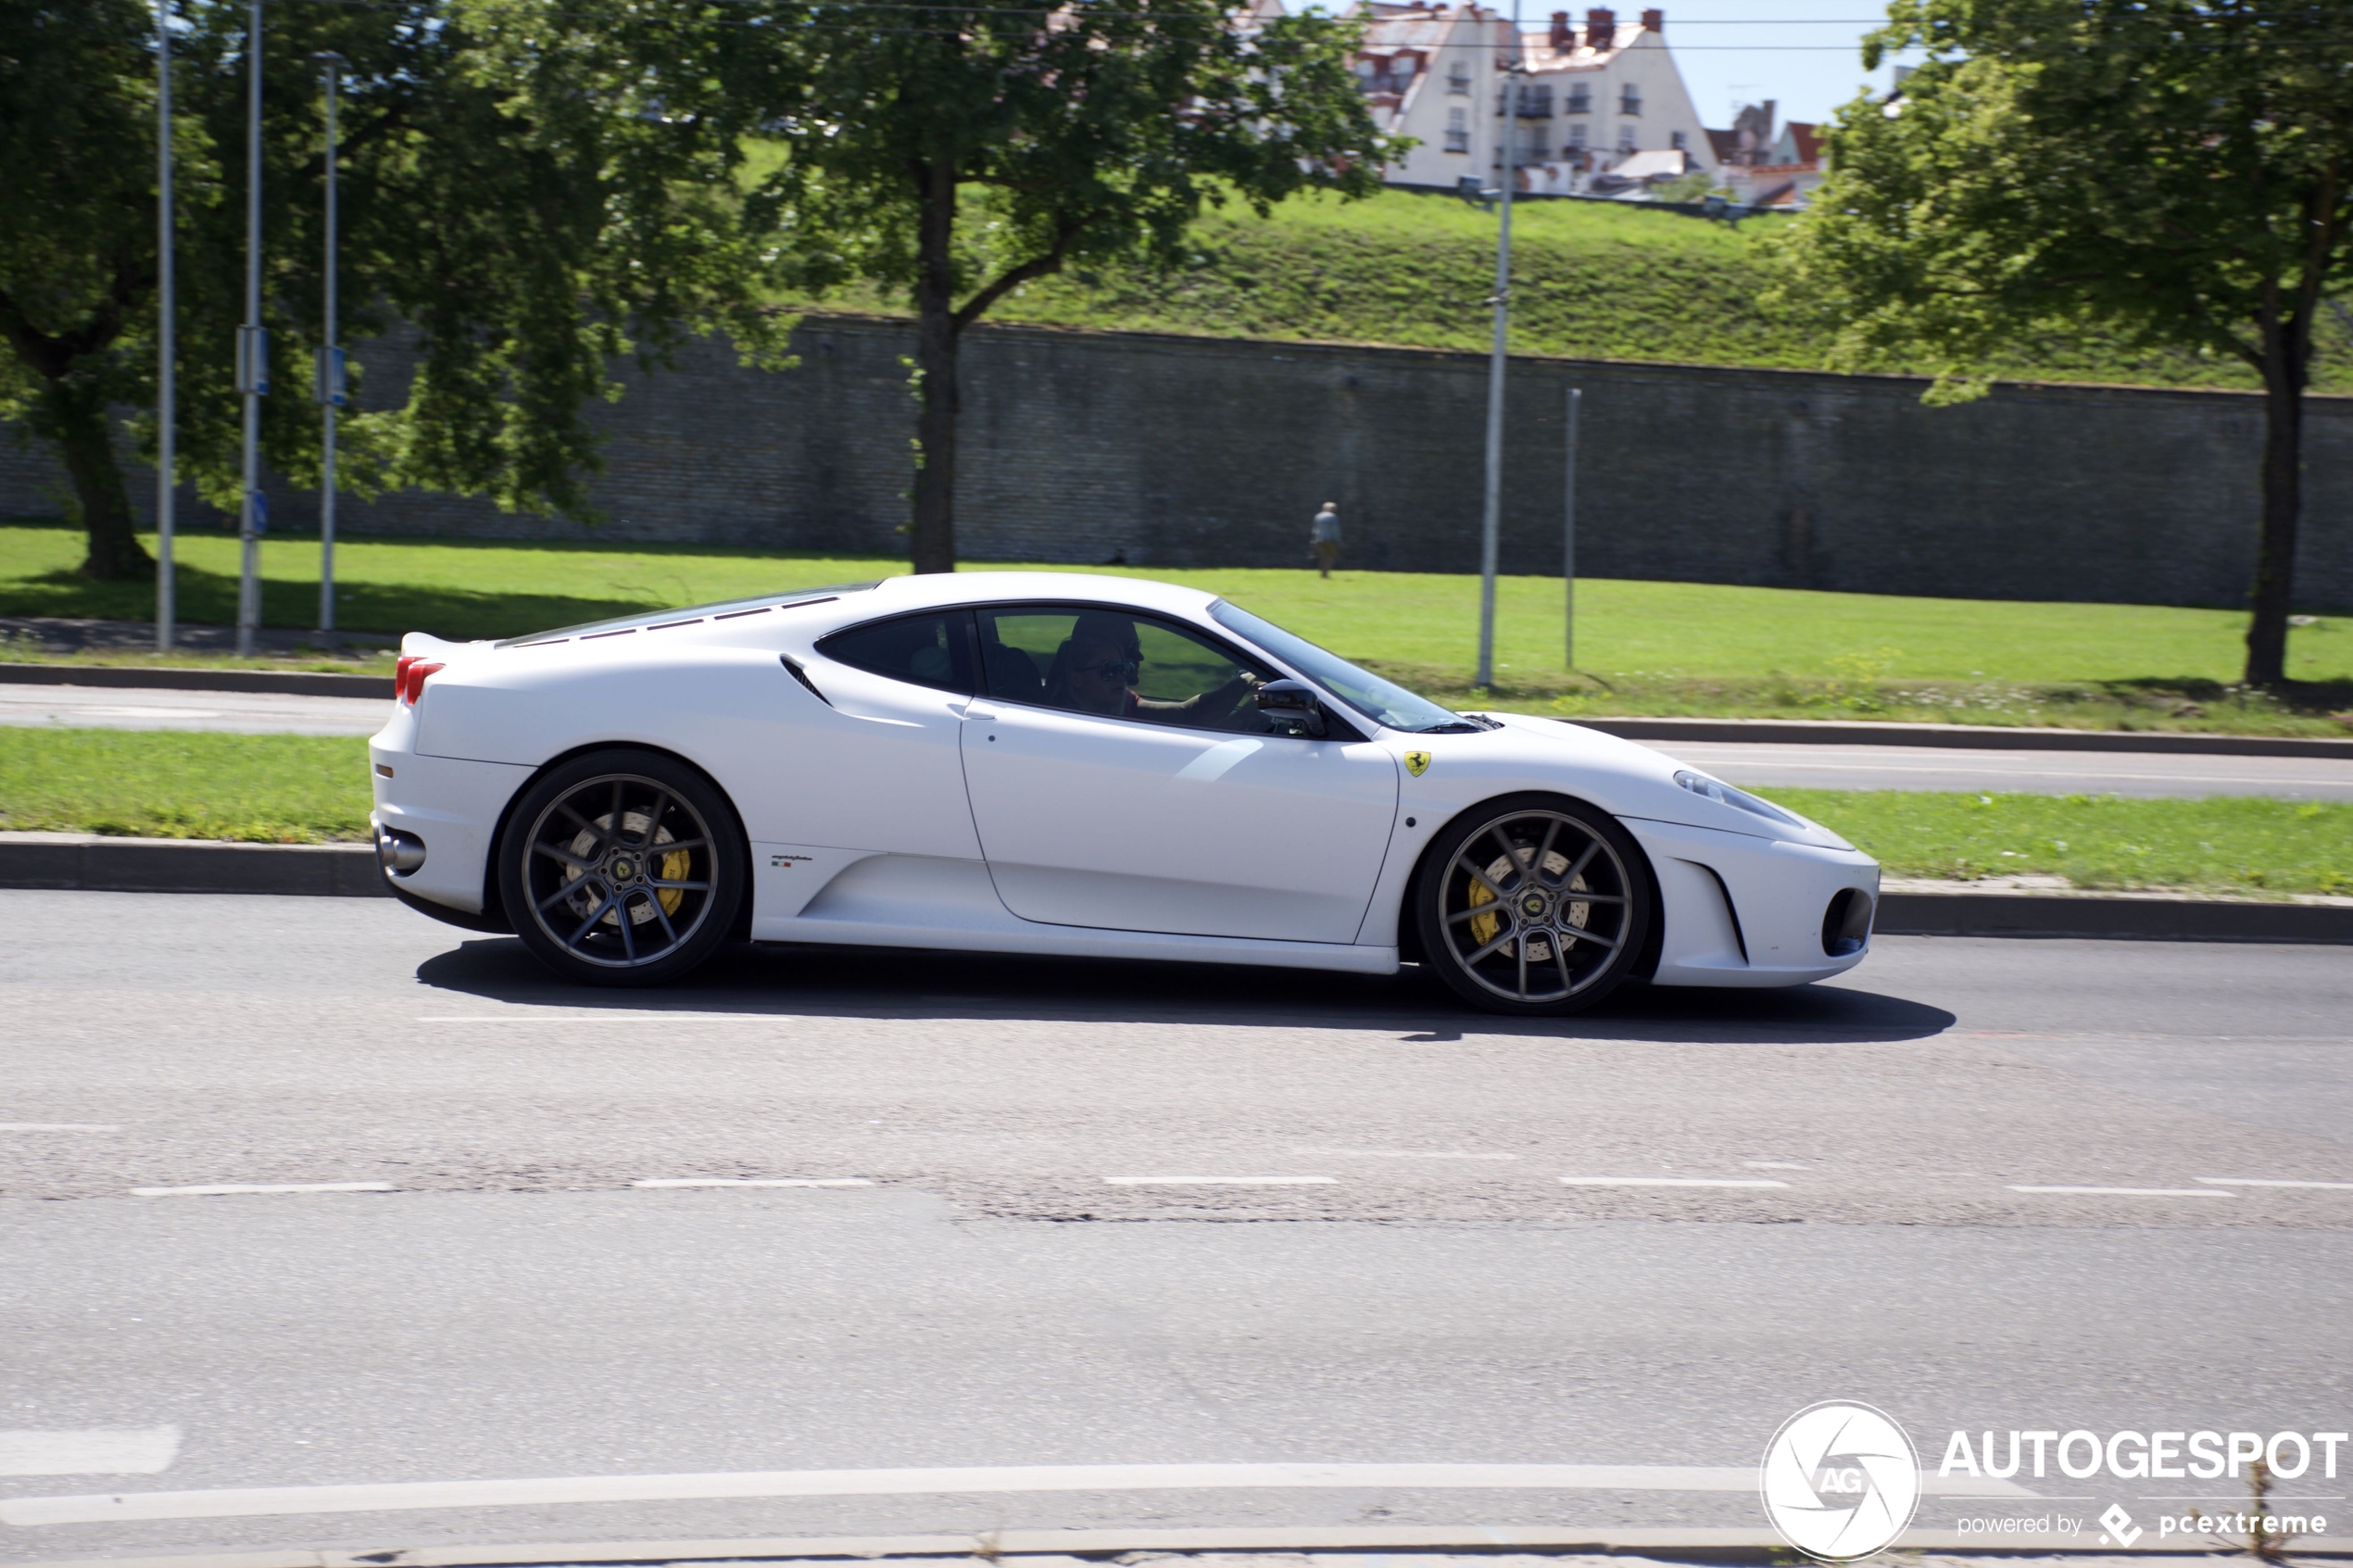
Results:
<point x="934" y="650"/>
<point x="1118" y="664"/>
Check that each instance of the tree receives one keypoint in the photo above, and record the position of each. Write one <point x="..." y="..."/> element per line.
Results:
<point x="516" y="220"/>
<point x="2177" y="168"/>
<point x="960" y="150"/>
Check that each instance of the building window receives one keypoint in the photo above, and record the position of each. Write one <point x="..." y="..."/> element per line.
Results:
<point x="1678" y="141"/>
<point x="1625" y="138"/>
<point x="1576" y="140"/>
<point x="1580" y="99"/>
<point x="1630" y="99"/>
<point x="1457" y="132"/>
<point x="1536" y="101"/>
<point x="1458" y="77"/>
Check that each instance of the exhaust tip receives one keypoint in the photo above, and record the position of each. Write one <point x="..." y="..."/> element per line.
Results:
<point x="399" y="853"/>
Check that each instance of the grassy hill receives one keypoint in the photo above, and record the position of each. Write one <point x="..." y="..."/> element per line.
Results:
<point x="1591" y="280"/>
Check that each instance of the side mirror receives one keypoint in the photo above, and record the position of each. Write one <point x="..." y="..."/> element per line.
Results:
<point x="1295" y="701"/>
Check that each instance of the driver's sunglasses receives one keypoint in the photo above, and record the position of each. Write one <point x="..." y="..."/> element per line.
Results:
<point x="1122" y="670"/>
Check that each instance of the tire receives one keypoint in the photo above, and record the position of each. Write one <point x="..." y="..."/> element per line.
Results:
<point x="586" y="899"/>
<point x="1533" y="904"/>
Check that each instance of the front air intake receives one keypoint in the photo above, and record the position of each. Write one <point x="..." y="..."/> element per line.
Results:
<point x="1846" y="924"/>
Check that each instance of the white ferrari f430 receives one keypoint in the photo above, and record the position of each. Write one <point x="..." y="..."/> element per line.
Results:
<point x="1066" y="764"/>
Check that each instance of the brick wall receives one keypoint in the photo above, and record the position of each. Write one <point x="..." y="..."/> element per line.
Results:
<point x="1175" y="451"/>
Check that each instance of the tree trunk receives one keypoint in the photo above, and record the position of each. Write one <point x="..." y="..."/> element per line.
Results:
<point x="936" y="331"/>
<point x="2283" y="509"/>
<point x="78" y="416"/>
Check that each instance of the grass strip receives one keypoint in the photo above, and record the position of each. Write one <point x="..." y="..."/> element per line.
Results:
<point x="306" y="789"/>
<point x="180" y="783"/>
<point x="2220" y="844"/>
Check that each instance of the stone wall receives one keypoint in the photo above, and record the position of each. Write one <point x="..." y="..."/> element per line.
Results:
<point x="1163" y="450"/>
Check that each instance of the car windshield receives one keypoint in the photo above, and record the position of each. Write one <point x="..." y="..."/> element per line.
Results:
<point x="1384" y="702"/>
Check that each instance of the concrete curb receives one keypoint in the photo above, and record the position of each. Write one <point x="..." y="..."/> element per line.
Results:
<point x="1965" y="738"/>
<point x="291" y="682"/>
<point x="1687" y="1545"/>
<point x="95" y="863"/>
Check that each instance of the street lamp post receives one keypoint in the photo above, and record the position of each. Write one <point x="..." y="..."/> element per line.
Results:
<point x="328" y="384"/>
<point x="166" y="336"/>
<point x="253" y="365"/>
<point x="1569" y="533"/>
<point x="1491" y="514"/>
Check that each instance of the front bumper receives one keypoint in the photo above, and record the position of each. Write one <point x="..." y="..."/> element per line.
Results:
<point x="1746" y="910"/>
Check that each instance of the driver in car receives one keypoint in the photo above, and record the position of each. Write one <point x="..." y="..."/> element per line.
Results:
<point x="1096" y="671"/>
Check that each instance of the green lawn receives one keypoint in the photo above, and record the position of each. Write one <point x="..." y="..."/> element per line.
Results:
<point x="163" y="784"/>
<point x="1642" y="647"/>
<point x="2223" y="844"/>
<point x="297" y="789"/>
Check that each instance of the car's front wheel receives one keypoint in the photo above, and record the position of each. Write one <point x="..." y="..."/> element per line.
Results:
<point x="1533" y="904"/>
<point x="623" y="868"/>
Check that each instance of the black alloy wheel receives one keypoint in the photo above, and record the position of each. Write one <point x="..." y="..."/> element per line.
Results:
<point x="623" y="868"/>
<point x="1533" y="904"/>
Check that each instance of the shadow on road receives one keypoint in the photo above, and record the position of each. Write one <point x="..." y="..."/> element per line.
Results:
<point x="892" y="982"/>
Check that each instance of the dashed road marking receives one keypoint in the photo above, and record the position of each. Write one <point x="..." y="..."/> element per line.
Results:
<point x="60" y="1127"/>
<point x="1670" y="1182"/>
<point x="224" y="1189"/>
<point x="2130" y="1192"/>
<point x="2260" y="1182"/>
<point x="107" y="1451"/>
<point x="1222" y="1181"/>
<point x="753" y="1181"/>
<point x="1775" y="1165"/>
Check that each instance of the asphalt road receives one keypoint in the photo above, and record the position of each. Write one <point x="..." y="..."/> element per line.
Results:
<point x="1816" y="767"/>
<point x="1401" y="1233"/>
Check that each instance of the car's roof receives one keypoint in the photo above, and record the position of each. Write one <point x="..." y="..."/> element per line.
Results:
<point x="897" y="593"/>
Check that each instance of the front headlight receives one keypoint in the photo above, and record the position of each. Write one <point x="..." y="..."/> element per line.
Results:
<point x="1716" y="789"/>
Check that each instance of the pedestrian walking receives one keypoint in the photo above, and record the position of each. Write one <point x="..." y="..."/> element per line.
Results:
<point x="1324" y="537"/>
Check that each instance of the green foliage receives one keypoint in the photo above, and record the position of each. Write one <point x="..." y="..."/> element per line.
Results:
<point x="2179" y="170"/>
<point x="525" y="225"/>
<point x="2222" y="844"/>
<point x="163" y="783"/>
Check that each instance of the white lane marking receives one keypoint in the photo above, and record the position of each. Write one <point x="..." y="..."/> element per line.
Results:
<point x="60" y="1127"/>
<point x="1219" y="760"/>
<point x="2134" y="1192"/>
<point x="244" y="1502"/>
<point x="2258" y="1181"/>
<point x="753" y="1181"/>
<point x="612" y="1015"/>
<point x="1400" y="1154"/>
<point x="105" y="1450"/>
<point x="1775" y="1165"/>
<point x="1669" y="1182"/>
<point x="223" y="1189"/>
<point x="136" y="710"/>
<point x="1222" y="1181"/>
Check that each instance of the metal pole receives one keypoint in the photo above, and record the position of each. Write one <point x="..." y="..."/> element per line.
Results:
<point x="167" y="348"/>
<point x="329" y="389"/>
<point x="253" y="371"/>
<point x="1569" y="533"/>
<point x="1491" y="514"/>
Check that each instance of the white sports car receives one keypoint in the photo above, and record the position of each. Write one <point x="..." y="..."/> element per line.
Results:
<point x="1047" y="763"/>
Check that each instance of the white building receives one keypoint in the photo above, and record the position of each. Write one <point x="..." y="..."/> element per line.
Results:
<point x="1592" y="107"/>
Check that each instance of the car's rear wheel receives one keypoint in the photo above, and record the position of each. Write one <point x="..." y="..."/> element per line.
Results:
<point x="1533" y="904"/>
<point x="623" y="868"/>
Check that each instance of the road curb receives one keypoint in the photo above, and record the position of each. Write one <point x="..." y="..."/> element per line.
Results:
<point x="94" y="862"/>
<point x="91" y="862"/>
<point x="1690" y="1545"/>
<point x="1964" y="738"/>
<point x="289" y="683"/>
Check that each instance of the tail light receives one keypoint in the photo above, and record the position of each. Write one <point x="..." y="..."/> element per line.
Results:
<point x="409" y="675"/>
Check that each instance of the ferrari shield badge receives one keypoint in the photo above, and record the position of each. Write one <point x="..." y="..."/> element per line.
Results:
<point x="1417" y="763"/>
